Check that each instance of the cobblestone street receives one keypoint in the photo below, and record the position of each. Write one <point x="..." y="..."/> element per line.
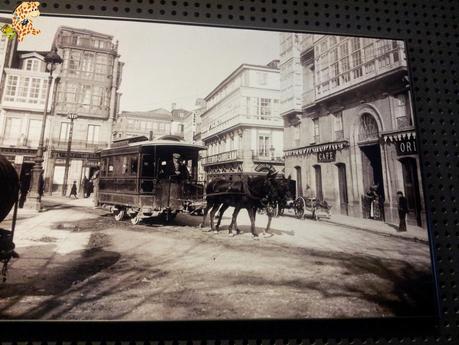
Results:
<point x="77" y="262"/>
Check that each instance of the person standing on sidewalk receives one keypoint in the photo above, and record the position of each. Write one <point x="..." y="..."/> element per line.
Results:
<point x="95" y="183"/>
<point x="402" y="211"/>
<point x="73" y="191"/>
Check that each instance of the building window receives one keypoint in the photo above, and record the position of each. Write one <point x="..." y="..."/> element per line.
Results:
<point x="316" y="131"/>
<point x="13" y="127"/>
<point x="93" y="134"/>
<point x="264" y="145"/>
<point x="33" y="135"/>
<point x="34" y="90"/>
<point x="64" y="133"/>
<point x="23" y="89"/>
<point x="338" y="126"/>
<point x="265" y="106"/>
<point x="401" y="111"/>
<point x="86" y="95"/>
<point x="11" y="87"/>
<point x="356" y="64"/>
<point x="32" y="65"/>
<point x="74" y="62"/>
<point x="262" y="78"/>
<point x="97" y="98"/>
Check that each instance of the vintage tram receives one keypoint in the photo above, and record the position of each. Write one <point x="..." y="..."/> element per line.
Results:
<point x="141" y="178"/>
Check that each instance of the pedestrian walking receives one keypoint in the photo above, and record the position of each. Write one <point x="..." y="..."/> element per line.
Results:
<point x="73" y="191"/>
<point x="95" y="183"/>
<point x="24" y="188"/>
<point x="402" y="211"/>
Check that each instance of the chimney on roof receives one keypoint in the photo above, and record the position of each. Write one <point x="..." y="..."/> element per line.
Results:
<point x="173" y="106"/>
<point x="273" y="64"/>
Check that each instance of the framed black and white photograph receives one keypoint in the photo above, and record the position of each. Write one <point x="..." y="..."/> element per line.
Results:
<point x="171" y="172"/>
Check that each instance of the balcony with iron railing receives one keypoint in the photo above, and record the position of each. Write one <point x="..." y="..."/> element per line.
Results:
<point x="69" y="41"/>
<point x="269" y="157"/>
<point x="251" y="120"/>
<point x="79" y="145"/>
<point x="223" y="157"/>
<point x="379" y="65"/>
<point x="21" y="142"/>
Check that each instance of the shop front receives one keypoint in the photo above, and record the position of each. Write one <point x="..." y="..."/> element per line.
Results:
<point x="80" y="164"/>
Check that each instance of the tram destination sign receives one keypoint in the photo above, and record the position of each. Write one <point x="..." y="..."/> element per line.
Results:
<point x="326" y="156"/>
<point x="406" y="147"/>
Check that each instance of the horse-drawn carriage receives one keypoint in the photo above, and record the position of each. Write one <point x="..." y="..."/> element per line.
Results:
<point x="142" y="179"/>
<point x="304" y="205"/>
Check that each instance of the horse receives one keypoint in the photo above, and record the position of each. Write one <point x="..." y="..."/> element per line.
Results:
<point x="253" y="193"/>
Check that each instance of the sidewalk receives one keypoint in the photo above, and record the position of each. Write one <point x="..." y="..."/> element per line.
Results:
<point x="414" y="233"/>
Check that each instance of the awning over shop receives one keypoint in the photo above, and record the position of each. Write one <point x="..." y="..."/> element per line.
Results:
<point x="399" y="136"/>
<point x="317" y="148"/>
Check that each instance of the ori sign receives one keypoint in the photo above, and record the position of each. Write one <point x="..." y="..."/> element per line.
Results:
<point x="326" y="156"/>
<point x="406" y="147"/>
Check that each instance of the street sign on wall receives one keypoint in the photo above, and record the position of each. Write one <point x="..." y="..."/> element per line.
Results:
<point x="406" y="147"/>
<point x="326" y="156"/>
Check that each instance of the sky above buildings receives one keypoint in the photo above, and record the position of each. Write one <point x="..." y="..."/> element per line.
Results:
<point x="166" y="63"/>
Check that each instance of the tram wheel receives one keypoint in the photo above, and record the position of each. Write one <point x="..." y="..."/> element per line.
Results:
<point x="120" y="214"/>
<point x="299" y="206"/>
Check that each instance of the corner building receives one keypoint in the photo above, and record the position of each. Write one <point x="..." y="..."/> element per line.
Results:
<point x="241" y="125"/>
<point x="355" y="127"/>
<point x="90" y="77"/>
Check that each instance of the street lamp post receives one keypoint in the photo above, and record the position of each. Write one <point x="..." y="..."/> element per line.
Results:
<point x="52" y="59"/>
<point x="71" y="117"/>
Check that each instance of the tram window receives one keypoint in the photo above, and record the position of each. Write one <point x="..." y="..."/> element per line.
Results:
<point x="110" y="167"/>
<point x="134" y="165"/>
<point x="118" y="164"/>
<point x="125" y="166"/>
<point x="103" y="167"/>
<point x="148" y="166"/>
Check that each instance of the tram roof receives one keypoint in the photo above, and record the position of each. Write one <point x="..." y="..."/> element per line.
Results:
<point x="166" y="140"/>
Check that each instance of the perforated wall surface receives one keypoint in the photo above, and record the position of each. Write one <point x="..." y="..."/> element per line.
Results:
<point x="430" y="29"/>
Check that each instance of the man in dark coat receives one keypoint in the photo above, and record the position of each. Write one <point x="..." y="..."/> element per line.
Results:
<point x="402" y="211"/>
<point x="73" y="191"/>
<point x="85" y="184"/>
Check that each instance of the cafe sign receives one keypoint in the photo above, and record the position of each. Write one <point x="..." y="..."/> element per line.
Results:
<point x="326" y="156"/>
<point x="406" y="147"/>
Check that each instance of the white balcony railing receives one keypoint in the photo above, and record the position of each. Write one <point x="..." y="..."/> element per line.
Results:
<point x="222" y="157"/>
<point x="80" y="145"/>
<point x="261" y="120"/>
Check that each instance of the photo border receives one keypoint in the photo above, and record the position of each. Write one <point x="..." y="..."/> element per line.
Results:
<point x="256" y="329"/>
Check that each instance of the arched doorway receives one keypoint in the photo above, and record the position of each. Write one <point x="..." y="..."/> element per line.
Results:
<point x="299" y="182"/>
<point x="411" y="186"/>
<point x="368" y="141"/>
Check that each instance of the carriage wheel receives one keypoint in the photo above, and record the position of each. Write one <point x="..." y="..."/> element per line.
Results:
<point x="120" y="214"/>
<point x="136" y="219"/>
<point x="299" y="207"/>
<point x="281" y="211"/>
<point x="168" y="216"/>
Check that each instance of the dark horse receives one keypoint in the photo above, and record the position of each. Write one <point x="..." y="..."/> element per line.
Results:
<point x="251" y="193"/>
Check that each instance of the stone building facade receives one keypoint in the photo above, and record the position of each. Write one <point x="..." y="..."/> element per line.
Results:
<point x="24" y="86"/>
<point x="355" y="129"/>
<point x="154" y="123"/>
<point x="241" y="126"/>
<point x="89" y="78"/>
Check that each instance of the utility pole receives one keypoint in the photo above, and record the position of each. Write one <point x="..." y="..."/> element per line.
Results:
<point x="71" y="117"/>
